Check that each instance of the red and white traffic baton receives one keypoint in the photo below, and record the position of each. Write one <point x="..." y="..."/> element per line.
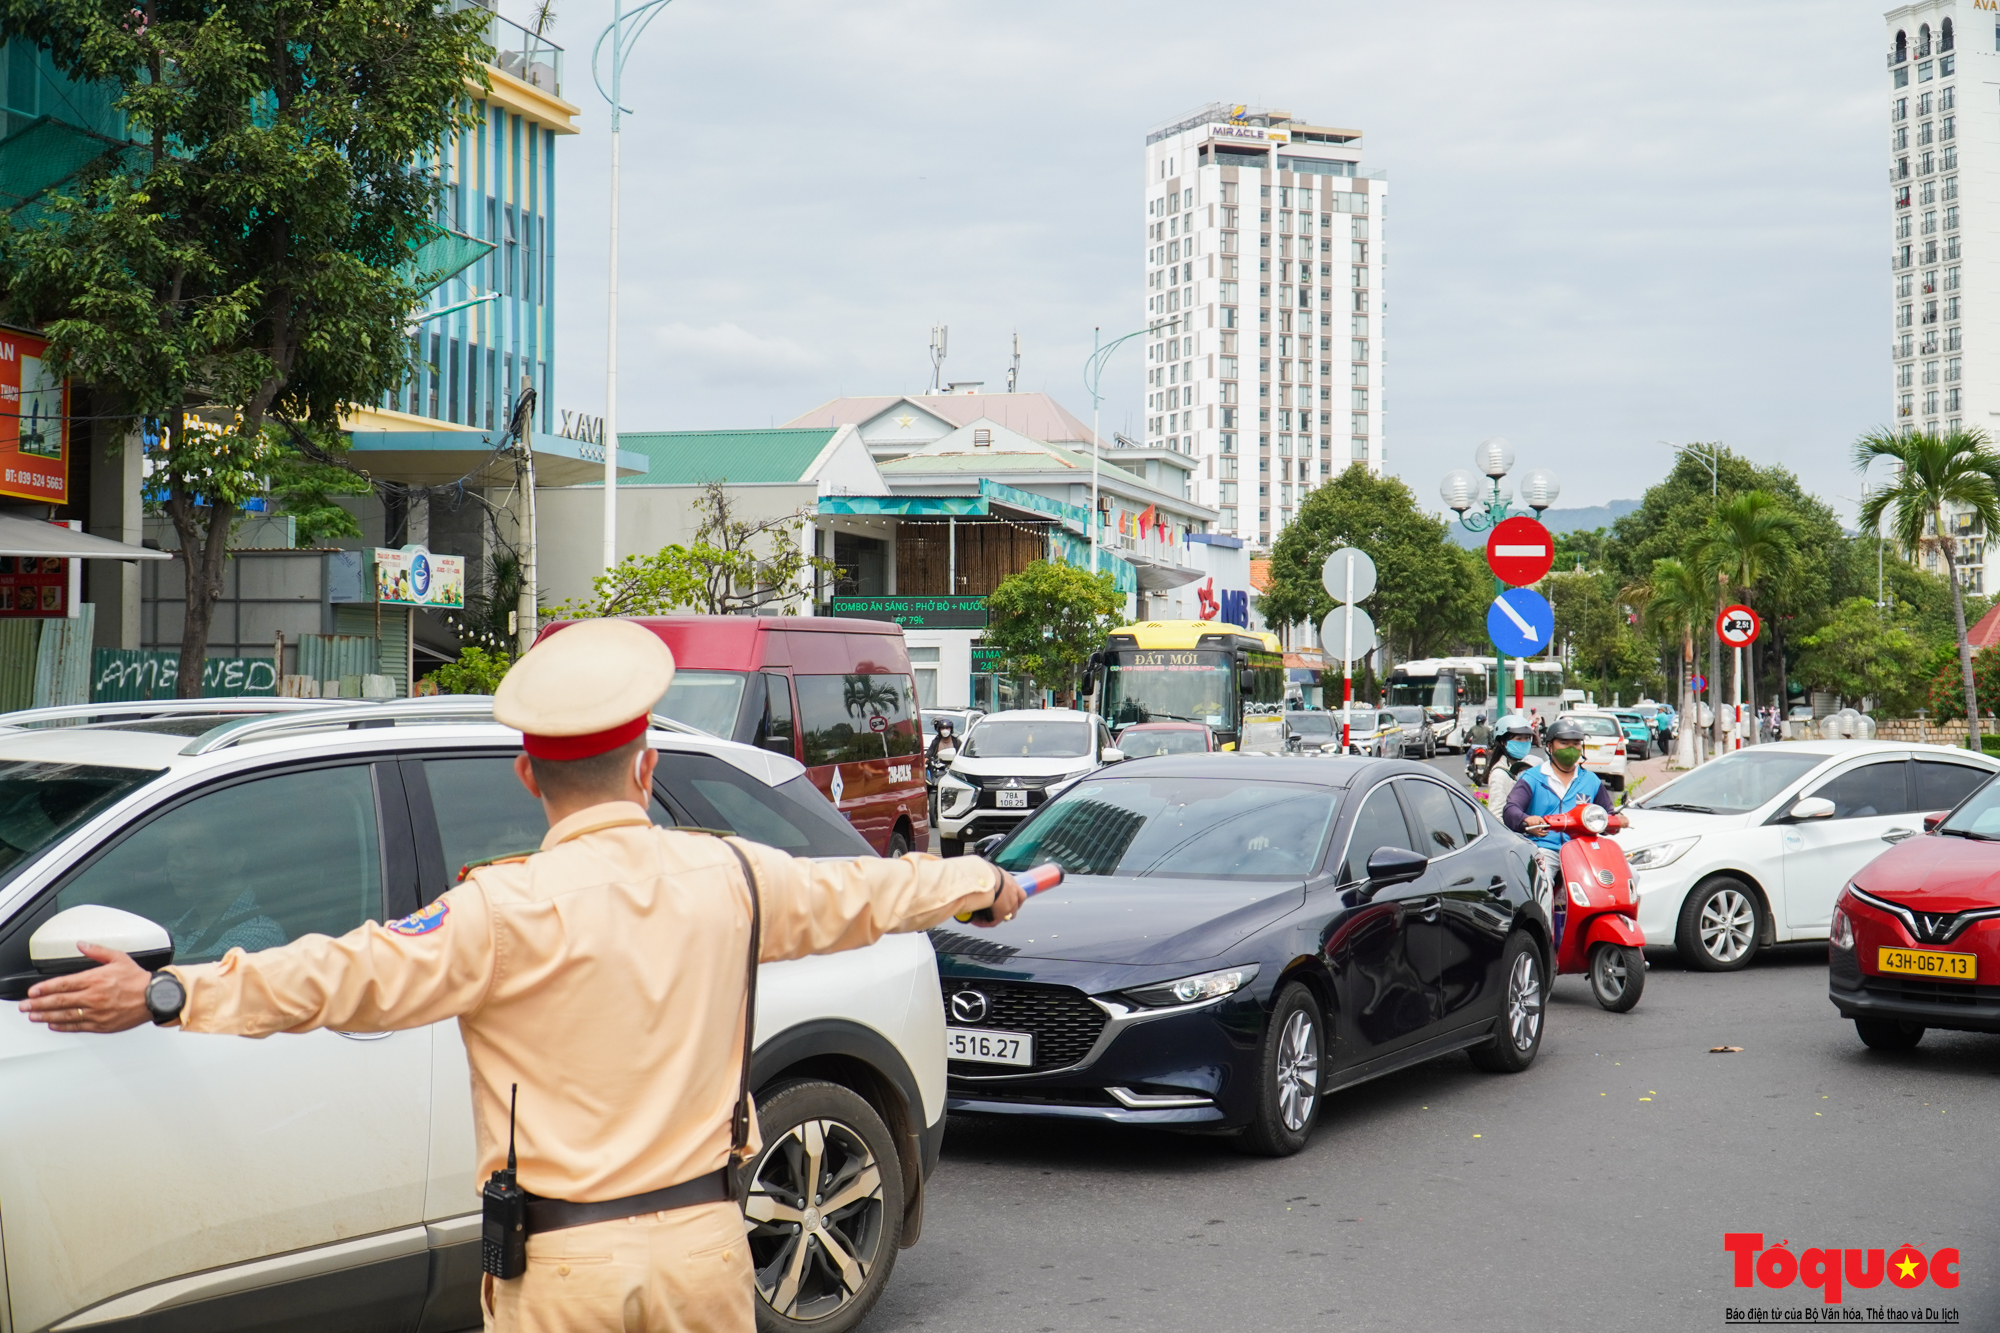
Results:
<point x="1038" y="880"/>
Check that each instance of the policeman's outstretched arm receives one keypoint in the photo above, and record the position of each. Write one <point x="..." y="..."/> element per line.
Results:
<point x="824" y="907"/>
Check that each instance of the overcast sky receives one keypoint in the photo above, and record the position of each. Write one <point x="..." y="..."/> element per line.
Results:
<point x="1610" y="226"/>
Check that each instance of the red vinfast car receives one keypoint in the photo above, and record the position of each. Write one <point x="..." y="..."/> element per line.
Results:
<point x="1916" y="935"/>
<point x="1143" y="740"/>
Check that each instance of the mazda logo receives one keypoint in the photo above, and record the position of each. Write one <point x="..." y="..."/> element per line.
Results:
<point x="969" y="1006"/>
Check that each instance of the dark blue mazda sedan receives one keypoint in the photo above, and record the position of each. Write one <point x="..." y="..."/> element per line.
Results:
<point x="1238" y="936"/>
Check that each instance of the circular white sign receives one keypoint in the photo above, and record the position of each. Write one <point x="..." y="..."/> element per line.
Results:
<point x="1333" y="575"/>
<point x="1334" y="631"/>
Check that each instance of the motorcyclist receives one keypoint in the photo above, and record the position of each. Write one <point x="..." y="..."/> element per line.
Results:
<point x="1516" y="753"/>
<point x="1480" y="733"/>
<point x="935" y="762"/>
<point x="1559" y="784"/>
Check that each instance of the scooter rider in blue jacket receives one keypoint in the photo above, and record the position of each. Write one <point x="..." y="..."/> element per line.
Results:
<point x="1552" y="788"/>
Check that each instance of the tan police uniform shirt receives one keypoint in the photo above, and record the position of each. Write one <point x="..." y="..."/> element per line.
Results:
<point x="604" y="975"/>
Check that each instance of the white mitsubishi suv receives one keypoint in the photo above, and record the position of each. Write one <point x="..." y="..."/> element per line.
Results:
<point x="159" y="1180"/>
<point x="1006" y="765"/>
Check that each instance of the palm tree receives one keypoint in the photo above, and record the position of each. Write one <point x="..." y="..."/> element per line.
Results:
<point x="1750" y="536"/>
<point x="1935" y="473"/>
<point x="1677" y="601"/>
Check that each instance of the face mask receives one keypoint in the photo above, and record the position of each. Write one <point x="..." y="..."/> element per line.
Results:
<point x="1566" y="755"/>
<point x="1517" y="749"/>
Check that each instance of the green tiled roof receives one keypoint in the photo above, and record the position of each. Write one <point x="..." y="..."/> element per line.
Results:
<point x="690" y="457"/>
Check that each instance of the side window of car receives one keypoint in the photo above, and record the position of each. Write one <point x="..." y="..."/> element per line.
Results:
<point x="1872" y="789"/>
<point x="1942" y="785"/>
<point x="483" y="811"/>
<point x="775" y="731"/>
<point x="853" y="717"/>
<point x="251" y="865"/>
<point x="1379" y="824"/>
<point x="1433" y="817"/>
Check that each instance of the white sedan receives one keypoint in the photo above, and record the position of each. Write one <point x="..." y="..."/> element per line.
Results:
<point x="1752" y="848"/>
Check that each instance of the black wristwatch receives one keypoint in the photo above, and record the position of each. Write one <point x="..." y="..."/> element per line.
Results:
<point x="164" y="997"/>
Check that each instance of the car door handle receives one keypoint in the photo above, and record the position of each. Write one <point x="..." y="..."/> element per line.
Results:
<point x="1898" y="834"/>
<point x="1427" y="909"/>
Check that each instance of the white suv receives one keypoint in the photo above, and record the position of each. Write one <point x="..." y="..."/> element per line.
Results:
<point x="326" y="1180"/>
<point x="1006" y="765"/>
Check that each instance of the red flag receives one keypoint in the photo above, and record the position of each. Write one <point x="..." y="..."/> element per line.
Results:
<point x="1145" y="520"/>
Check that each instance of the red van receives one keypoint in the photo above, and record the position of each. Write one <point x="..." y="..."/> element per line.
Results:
<point x="836" y="695"/>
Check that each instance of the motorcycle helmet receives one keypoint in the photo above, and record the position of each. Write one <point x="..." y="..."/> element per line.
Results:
<point x="1566" y="729"/>
<point x="1516" y="724"/>
<point x="1517" y="736"/>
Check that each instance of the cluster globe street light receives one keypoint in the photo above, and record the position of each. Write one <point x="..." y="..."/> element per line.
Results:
<point x="1483" y="501"/>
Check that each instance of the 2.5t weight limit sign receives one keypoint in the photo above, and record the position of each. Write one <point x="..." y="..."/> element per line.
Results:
<point x="1737" y="626"/>
<point x="1520" y="551"/>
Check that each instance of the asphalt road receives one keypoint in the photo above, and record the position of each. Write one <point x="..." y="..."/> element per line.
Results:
<point x="1591" y="1192"/>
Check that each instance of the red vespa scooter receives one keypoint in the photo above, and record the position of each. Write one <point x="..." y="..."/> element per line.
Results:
<point x="1601" y="935"/>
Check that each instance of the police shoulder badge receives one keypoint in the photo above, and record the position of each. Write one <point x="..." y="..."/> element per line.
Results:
<point x="511" y="858"/>
<point x="423" y="921"/>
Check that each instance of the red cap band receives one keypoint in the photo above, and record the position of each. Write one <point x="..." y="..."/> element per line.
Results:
<point x="584" y="747"/>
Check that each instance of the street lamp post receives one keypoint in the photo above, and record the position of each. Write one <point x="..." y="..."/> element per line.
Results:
<point x="623" y="31"/>
<point x="1093" y="373"/>
<point x="1460" y="489"/>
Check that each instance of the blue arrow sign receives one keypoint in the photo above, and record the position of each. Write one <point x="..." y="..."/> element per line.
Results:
<point x="1520" y="622"/>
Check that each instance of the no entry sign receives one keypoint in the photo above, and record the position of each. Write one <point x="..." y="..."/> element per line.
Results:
<point x="1520" y="551"/>
<point x="1737" y="626"/>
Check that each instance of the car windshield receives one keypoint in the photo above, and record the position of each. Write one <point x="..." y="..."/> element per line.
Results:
<point x="1979" y="815"/>
<point x="1005" y="738"/>
<point x="1409" y="717"/>
<point x="40" y="801"/>
<point x="1735" y="782"/>
<point x="1310" y="724"/>
<point x="1594" y="726"/>
<point x="1357" y="720"/>
<point x="1146" y="744"/>
<point x="1178" y="828"/>
<point x="706" y="700"/>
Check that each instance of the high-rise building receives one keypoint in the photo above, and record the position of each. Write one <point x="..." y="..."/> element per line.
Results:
<point x="1264" y="307"/>
<point x="1934" y="334"/>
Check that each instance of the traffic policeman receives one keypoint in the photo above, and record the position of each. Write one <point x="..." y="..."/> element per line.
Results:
<point x="601" y="979"/>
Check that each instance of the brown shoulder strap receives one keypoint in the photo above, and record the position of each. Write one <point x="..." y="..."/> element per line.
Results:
<point x="739" y="1125"/>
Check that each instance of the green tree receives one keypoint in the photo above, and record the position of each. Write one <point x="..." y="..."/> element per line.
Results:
<point x="475" y="672"/>
<point x="1751" y="537"/>
<point x="1934" y="473"/>
<point x="1676" y="602"/>
<point x="1861" y="652"/>
<point x="734" y="565"/>
<point x="1593" y="633"/>
<point x="1048" y="619"/>
<point x="242" y="271"/>
<point x="1430" y="595"/>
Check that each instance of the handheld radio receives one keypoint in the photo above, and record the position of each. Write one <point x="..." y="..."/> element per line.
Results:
<point x="1038" y="880"/>
<point x="503" y="1222"/>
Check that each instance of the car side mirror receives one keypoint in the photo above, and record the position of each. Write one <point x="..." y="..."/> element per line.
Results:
<point x="52" y="948"/>
<point x="1931" y="821"/>
<point x="1811" y="807"/>
<point x="1390" y="866"/>
<point x="1110" y="754"/>
<point x="984" y="846"/>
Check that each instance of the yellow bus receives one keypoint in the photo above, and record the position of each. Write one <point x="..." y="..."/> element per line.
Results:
<point x="1188" y="671"/>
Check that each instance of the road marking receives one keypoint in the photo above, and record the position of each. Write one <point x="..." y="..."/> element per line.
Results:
<point x="1515" y="616"/>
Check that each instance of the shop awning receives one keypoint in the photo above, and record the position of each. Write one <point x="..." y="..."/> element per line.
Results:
<point x="33" y="537"/>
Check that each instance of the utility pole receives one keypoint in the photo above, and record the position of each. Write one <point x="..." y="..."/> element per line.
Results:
<point x="1014" y="370"/>
<point x="1093" y="374"/>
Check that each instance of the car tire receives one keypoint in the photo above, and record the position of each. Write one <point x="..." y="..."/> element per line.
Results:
<point x="820" y="1136"/>
<point x="951" y="846"/>
<point x="1888" y="1034"/>
<point x="898" y="843"/>
<point x="1721" y="923"/>
<point x="1288" y="1077"/>
<point x="1617" y="976"/>
<point x="1524" y="1002"/>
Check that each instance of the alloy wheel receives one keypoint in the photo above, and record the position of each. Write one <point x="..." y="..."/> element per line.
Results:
<point x="1298" y="1071"/>
<point x="815" y="1214"/>
<point x="1728" y="925"/>
<point x="1524" y="1001"/>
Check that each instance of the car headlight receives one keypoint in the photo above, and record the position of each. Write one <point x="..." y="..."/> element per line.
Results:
<point x="1660" y="854"/>
<point x="1194" y="990"/>
<point x="954" y="791"/>
<point x="1843" y="930"/>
